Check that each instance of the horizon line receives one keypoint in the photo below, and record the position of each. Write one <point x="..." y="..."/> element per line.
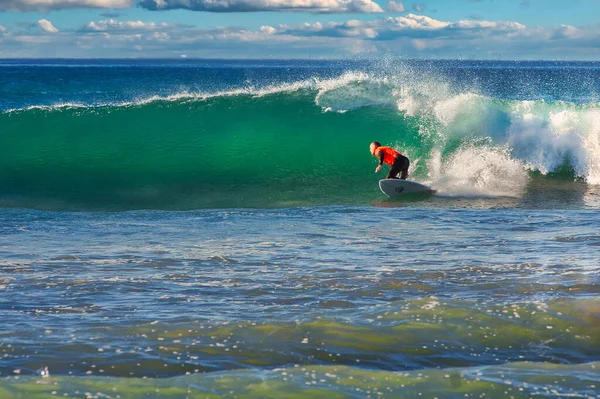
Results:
<point x="3" y="59"/>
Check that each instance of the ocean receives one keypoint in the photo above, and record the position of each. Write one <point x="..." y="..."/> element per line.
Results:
<point x="214" y="229"/>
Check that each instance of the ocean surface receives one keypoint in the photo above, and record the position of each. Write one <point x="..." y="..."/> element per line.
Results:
<point x="214" y="229"/>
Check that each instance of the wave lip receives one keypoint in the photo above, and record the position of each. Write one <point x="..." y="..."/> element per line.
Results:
<point x="320" y="86"/>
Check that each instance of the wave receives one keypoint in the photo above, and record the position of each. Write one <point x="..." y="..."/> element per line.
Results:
<point x="517" y="379"/>
<point x="406" y="335"/>
<point x="299" y="143"/>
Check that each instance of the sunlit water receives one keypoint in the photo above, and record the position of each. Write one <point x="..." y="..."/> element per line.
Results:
<point x="381" y="294"/>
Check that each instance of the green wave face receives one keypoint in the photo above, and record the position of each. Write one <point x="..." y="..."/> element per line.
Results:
<point x="224" y="151"/>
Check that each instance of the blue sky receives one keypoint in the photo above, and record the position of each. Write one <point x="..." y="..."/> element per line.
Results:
<point x="471" y="29"/>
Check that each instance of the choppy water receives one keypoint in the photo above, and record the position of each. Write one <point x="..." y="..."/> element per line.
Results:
<point x="169" y="231"/>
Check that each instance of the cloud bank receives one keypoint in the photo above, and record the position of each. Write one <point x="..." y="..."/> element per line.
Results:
<point x="312" y="6"/>
<point x="48" y="5"/>
<point x="315" y="6"/>
<point x="413" y="36"/>
<point x="111" y="25"/>
<point x="410" y="26"/>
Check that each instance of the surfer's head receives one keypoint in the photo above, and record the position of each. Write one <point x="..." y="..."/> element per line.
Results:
<point x="374" y="146"/>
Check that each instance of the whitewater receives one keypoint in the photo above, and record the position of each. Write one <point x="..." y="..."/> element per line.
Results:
<point x="214" y="228"/>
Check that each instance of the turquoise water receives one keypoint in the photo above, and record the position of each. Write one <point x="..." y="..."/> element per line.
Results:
<point x="168" y="230"/>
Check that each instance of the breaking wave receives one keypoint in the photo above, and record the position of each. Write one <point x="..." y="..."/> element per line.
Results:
<point x="289" y="144"/>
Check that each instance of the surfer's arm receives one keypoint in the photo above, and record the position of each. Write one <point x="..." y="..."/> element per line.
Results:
<point x="381" y="156"/>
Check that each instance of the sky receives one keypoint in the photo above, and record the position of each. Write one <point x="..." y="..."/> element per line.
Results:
<point x="307" y="29"/>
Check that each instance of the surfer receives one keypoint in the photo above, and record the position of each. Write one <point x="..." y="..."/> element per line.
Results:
<point x="398" y="163"/>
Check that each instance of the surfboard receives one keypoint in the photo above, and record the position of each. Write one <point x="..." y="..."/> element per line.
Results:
<point x="396" y="187"/>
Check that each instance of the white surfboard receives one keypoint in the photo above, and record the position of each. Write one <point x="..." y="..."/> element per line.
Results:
<point x="396" y="187"/>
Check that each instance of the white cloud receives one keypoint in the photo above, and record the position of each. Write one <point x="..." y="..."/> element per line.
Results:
<point x="567" y="31"/>
<point x="352" y="28"/>
<point x="47" y="26"/>
<point x="114" y="25"/>
<point x="2" y="29"/>
<point x="315" y="6"/>
<point x="268" y="29"/>
<point x="394" y="6"/>
<point x="418" y="27"/>
<point x="48" y="5"/>
<point x="419" y="22"/>
<point x="503" y="25"/>
<point x="160" y="36"/>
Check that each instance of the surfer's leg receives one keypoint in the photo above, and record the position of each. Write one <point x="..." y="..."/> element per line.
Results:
<point x="405" y="167"/>
<point x="396" y="167"/>
<point x="393" y="173"/>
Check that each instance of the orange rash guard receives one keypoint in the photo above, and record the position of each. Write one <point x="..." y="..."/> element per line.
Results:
<point x="389" y="154"/>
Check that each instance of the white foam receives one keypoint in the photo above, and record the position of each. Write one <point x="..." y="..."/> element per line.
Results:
<point x="57" y="106"/>
<point x="543" y="135"/>
<point x="448" y="110"/>
<point x="352" y="90"/>
<point x="537" y="135"/>
<point x="478" y="171"/>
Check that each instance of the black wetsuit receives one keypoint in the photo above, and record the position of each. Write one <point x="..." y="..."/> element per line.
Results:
<point x="399" y="167"/>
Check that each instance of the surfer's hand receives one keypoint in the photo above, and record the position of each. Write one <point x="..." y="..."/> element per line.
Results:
<point x="378" y="169"/>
